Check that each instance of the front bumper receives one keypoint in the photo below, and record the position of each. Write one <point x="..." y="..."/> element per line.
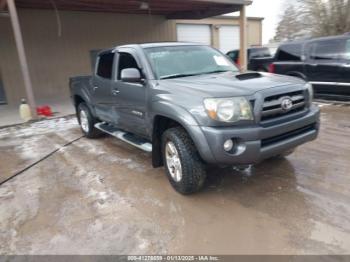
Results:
<point x="257" y="143"/>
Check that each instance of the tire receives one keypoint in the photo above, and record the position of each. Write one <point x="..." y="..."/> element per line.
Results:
<point x="87" y="121"/>
<point x="193" y="170"/>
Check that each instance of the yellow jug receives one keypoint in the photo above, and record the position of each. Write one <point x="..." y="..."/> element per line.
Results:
<point x="24" y="111"/>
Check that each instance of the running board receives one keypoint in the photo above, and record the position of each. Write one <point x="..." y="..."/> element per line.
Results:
<point x="126" y="137"/>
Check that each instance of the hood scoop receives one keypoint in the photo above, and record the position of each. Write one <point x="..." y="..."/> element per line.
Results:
<point x="248" y="76"/>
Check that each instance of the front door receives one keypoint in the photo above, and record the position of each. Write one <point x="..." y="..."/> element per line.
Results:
<point x="101" y="85"/>
<point x="129" y="98"/>
<point x="344" y="80"/>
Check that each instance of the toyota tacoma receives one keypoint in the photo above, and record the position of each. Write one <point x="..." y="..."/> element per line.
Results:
<point x="189" y="106"/>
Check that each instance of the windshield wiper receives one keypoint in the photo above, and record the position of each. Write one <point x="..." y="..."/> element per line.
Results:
<point x="215" y="72"/>
<point x="197" y="74"/>
<point x="176" y="76"/>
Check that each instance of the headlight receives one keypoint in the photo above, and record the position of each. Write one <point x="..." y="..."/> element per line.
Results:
<point x="310" y="90"/>
<point x="228" y="109"/>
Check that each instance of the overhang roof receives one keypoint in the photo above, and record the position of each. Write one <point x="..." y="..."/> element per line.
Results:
<point x="172" y="9"/>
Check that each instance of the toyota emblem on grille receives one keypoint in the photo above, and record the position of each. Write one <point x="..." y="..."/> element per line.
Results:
<point x="286" y="104"/>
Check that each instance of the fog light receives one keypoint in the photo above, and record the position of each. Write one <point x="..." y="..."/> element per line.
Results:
<point x="228" y="145"/>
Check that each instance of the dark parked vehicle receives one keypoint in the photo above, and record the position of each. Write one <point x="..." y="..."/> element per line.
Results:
<point x="324" y="62"/>
<point x="189" y="105"/>
<point x="253" y="53"/>
<point x="261" y="64"/>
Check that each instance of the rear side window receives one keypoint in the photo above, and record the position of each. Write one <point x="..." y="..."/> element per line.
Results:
<point x="126" y="60"/>
<point x="105" y="65"/>
<point x="233" y="55"/>
<point x="291" y="52"/>
<point x="260" y="53"/>
<point x="327" y="49"/>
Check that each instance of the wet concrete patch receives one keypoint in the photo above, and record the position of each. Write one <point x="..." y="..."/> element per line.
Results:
<point x="103" y="197"/>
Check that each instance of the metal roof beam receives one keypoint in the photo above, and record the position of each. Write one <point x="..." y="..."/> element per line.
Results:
<point x="200" y="14"/>
<point x="229" y="2"/>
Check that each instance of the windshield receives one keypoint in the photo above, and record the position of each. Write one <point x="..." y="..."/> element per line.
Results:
<point x="180" y="61"/>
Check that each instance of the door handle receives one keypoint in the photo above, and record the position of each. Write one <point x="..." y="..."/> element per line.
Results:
<point x="115" y="92"/>
<point x="95" y="87"/>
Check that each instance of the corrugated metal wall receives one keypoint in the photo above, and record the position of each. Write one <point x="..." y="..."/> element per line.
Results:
<point x="53" y="59"/>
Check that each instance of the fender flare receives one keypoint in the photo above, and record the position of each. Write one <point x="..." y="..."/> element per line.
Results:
<point x="188" y="122"/>
<point x="85" y="96"/>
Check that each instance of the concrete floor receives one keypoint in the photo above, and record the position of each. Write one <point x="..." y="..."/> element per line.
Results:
<point x="9" y="115"/>
<point x="103" y="197"/>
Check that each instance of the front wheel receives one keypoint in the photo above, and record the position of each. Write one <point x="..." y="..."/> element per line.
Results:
<point x="184" y="167"/>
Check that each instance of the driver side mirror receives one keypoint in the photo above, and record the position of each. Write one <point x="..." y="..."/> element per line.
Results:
<point x="131" y="75"/>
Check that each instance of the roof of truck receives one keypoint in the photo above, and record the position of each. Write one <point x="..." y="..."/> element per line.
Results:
<point x="162" y="44"/>
<point x="307" y="40"/>
<point x="150" y="45"/>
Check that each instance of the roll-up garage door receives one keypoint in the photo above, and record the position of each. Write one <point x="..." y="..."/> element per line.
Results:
<point x="228" y="38"/>
<point x="194" y="33"/>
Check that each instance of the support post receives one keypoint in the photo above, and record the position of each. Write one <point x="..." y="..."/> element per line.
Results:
<point x="243" y="59"/>
<point x="22" y="56"/>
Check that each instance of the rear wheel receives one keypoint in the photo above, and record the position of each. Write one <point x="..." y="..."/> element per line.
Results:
<point x="184" y="167"/>
<point x="87" y="121"/>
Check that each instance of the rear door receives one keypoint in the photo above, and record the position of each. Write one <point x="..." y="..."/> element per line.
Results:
<point x="323" y="66"/>
<point x="101" y="84"/>
<point x="129" y="98"/>
<point x="344" y="77"/>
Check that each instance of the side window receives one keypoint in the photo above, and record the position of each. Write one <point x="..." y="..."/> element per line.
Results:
<point x="126" y="60"/>
<point x="233" y="55"/>
<point x="347" y="50"/>
<point x="327" y="49"/>
<point x="260" y="53"/>
<point x="105" y="65"/>
<point x="291" y="52"/>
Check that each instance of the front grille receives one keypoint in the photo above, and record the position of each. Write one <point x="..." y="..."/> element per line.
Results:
<point x="276" y="139"/>
<point x="272" y="105"/>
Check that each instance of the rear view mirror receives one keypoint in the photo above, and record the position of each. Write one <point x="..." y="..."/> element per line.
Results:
<point x="131" y="75"/>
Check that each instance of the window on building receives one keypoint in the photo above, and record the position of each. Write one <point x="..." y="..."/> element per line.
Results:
<point x="105" y="65"/>
<point x="126" y="60"/>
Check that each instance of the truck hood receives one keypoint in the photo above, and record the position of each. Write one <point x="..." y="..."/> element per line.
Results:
<point x="228" y="84"/>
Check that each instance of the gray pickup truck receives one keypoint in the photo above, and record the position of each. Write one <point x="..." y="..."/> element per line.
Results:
<point x="190" y="106"/>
